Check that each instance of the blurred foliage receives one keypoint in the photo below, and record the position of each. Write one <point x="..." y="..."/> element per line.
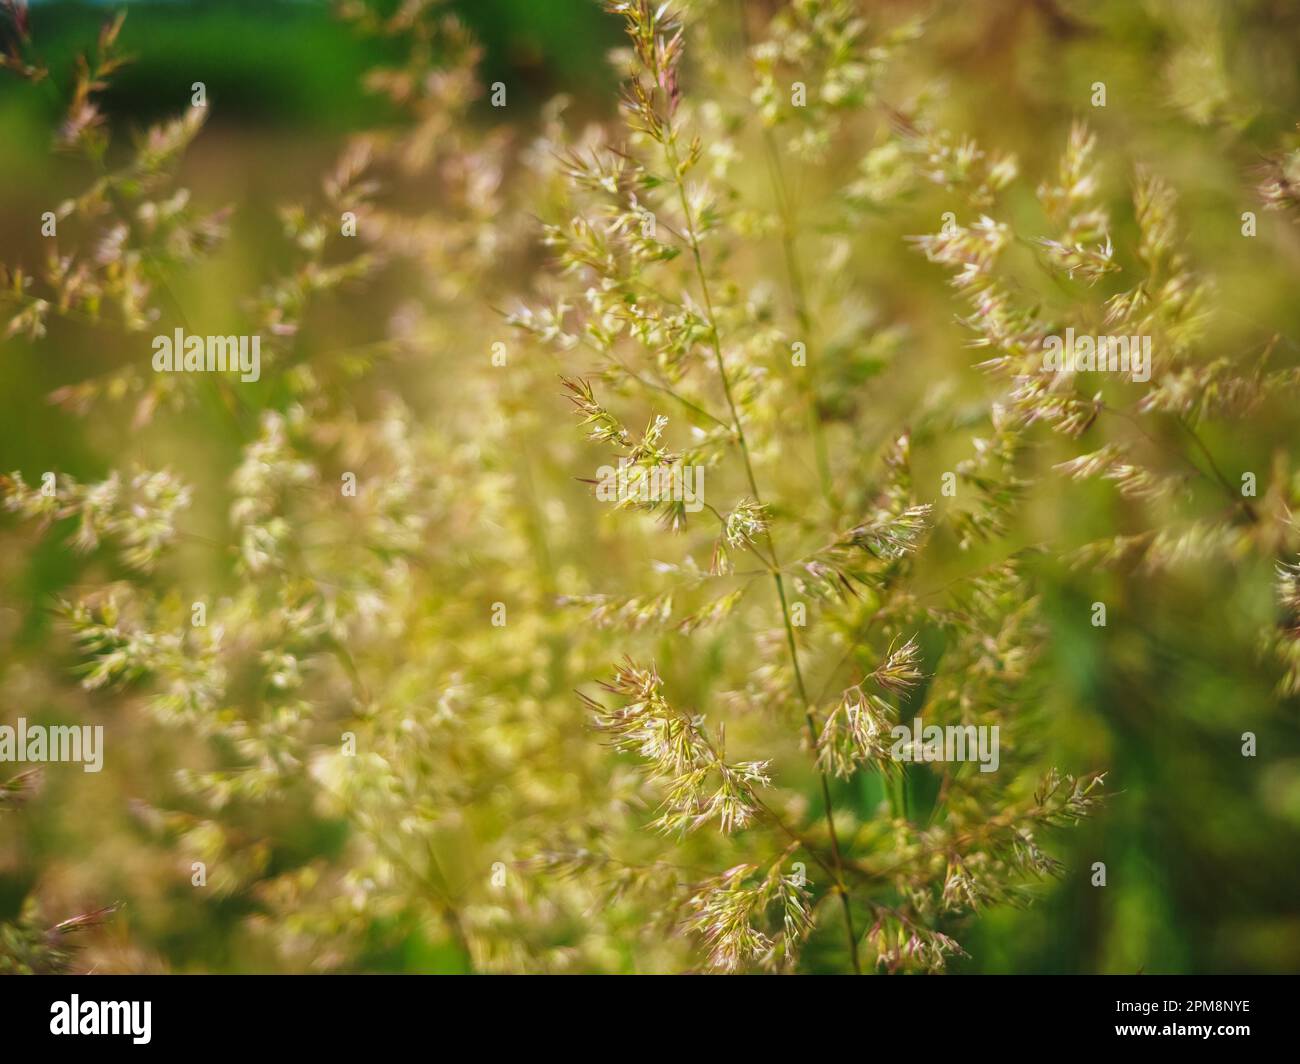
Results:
<point x="478" y="762"/>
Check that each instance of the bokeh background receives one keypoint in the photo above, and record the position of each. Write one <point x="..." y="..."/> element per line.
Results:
<point x="1202" y="845"/>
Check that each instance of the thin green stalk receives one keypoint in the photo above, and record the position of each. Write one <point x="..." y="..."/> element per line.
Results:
<point x="670" y="148"/>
